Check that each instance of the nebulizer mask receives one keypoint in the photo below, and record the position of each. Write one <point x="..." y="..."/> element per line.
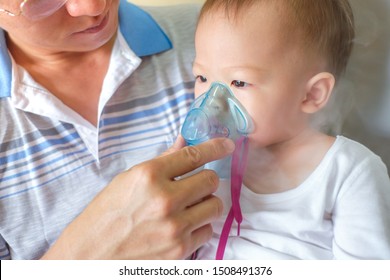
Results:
<point x="217" y="113"/>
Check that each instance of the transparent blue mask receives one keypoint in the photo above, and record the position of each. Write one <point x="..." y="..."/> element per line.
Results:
<point x="217" y="113"/>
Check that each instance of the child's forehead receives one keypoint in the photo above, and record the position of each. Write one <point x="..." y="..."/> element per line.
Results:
<point x="264" y="20"/>
<point x="238" y="10"/>
<point x="258" y="38"/>
<point x="257" y="15"/>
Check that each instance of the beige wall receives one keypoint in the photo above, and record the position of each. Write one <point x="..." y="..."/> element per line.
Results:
<point x="164" y="2"/>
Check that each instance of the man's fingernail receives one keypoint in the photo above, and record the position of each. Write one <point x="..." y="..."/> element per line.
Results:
<point x="229" y="145"/>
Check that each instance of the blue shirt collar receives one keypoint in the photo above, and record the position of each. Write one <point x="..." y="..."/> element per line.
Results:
<point x="140" y="30"/>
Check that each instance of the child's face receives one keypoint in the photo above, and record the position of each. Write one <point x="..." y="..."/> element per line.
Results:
<point x="266" y="71"/>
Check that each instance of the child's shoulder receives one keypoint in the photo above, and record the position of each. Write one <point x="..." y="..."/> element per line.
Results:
<point x="346" y="145"/>
<point x="352" y="155"/>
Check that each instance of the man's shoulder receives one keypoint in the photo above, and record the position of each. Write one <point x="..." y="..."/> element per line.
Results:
<point x="178" y="21"/>
<point x="180" y="13"/>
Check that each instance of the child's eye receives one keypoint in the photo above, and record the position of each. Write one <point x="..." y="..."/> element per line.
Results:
<point x="201" y="79"/>
<point x="239" y="84"/>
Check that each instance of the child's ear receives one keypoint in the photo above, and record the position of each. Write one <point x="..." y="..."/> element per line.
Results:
<point x="318" y="91"/>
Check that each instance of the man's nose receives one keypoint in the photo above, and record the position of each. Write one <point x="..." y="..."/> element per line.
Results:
<point x="78" y="8"/>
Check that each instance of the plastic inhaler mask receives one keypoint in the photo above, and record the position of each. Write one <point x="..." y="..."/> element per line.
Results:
<point x="216" y="113"/>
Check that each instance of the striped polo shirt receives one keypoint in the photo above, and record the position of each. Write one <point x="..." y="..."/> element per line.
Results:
<point x="53" y="162"/>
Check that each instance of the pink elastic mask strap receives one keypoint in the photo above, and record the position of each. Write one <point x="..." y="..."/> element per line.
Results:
<point x="239" y="160"/>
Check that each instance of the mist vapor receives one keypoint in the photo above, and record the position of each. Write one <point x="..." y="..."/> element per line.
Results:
<point x="360" y="106"/>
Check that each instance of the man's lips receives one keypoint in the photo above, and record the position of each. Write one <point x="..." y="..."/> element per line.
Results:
<point x="96" y="28"/>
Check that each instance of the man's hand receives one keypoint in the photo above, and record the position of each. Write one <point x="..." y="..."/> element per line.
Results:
<point x="144" y="213"/>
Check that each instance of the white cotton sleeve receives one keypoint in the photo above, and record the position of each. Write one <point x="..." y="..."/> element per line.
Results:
<point x="362" y="213"/>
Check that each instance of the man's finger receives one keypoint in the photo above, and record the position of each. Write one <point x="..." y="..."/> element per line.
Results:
<point x="202" y="213"/>
<point x="191" y="157"/>
<point x="191" y="190"/>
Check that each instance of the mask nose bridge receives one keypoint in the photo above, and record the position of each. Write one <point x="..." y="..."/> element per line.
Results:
<point x="240" y="116"/>
<point x="216" y="113"/>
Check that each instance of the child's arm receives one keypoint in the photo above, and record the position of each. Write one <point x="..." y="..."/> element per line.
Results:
<point x="362" y="214"/>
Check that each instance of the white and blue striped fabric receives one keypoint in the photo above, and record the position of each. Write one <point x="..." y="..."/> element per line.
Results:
<point x="53" y="162"/>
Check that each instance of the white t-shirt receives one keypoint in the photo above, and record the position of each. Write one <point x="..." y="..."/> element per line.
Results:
<point x="341" y="211"/>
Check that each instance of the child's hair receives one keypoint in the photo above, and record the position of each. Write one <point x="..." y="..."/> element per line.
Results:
<point x="325" y="26"/>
